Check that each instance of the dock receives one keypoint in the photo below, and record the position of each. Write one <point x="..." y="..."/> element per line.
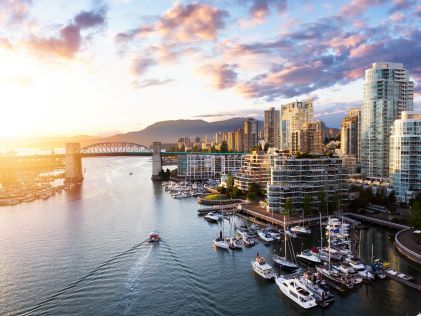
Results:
<point x="403" y="281"/>
<point x="227" y="207"/>
<point x="377" y="221"/>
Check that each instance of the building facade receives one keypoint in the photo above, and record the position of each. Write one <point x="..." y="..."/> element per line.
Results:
<point x="231" y="141"/>
<point x="405" y="156"/>
<point x="250" y="134"/>
<point x="255" y="169"/>
<point x="296" y="178"/>
<point x="293" y="116"/>
<point x="387" y="93"/>
<point x="350" y="133"/>
<point x="239" y="144"/>
<point x="199" y="167"/>
<point x="309" y="139"/>
<point x="271" y="129"/>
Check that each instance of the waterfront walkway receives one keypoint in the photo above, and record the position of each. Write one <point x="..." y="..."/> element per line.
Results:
<point x="377" y="221"/>
<point x="406" y="244"/>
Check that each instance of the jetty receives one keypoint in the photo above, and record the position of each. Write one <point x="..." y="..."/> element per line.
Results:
<point x="377" y="221"/>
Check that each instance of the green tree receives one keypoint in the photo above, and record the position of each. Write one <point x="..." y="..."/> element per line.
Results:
<point x="288" y="207"/>
<point x="266" y="147"/>
<point x="307" y="205"/>
<point x="415" y="215"/>
<point x="224" y="147"/>
<point x="391" y="201"/>
<point x="229" y="182"/>
<point x="236" y="193"/>
<point x="322" y="202"/>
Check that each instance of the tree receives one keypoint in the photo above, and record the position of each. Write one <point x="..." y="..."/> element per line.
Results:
<point x="266" y="147"/>
<point x="415" y="215"/>
<point x="336" y="202"/>
<point x="229" y="182"/>
<point x="288" y="207"/>
<point x="322" y="202"/>
<point x="224" y="147"/>
<point x="253" y="191"/>
<point x="391" y="201"/>
<point x="236" y="192"/>
<point x="307" y="205"/>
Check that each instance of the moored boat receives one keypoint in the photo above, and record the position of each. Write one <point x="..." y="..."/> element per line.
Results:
<point x="296" y="291"/>
<point x="262" y="268"/>
<point x="309" y="257"/>
<point x="154" y="237"/>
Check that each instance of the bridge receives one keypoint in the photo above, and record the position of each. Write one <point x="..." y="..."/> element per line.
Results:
<point x="72" y="158"/>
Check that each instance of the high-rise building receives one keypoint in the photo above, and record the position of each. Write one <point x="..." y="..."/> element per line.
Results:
<point x="271" y="127"/>
<point x="387" y="93"/>
<point x="405" y="156"/>
<point x="231" y="141"/>
<point x="239" y="145"/>
<point x="293" y="116"/>
<point x="298" y="178"/>
<point x="350" y="133"/>
<point x="309" y="139"/>
<point x="251" y="131"/>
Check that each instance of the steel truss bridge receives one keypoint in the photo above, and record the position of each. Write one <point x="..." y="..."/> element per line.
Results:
<point x="115" y="149"/>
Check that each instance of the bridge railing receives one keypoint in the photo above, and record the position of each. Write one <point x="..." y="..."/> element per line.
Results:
<point x="403" y="248"/>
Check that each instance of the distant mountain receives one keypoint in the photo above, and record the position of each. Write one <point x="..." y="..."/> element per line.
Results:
<point x="170" y="131"/>
<point x="332" y="133"/>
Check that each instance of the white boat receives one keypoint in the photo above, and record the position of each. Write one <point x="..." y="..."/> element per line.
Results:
<point x="309" y="256"/>
<point x="262" y="268"/>
<point x="300" y="230"/>
<point x="219" y="242"/>
<point x="358" y="266"/>
<point x="318" y="288"/>
<point x="291" y="234"/>
<point x="248" y="242"/>
<point x="181" y="196"/>
<point x="296" y="291"/>
<point x="213" y="217"/>
<point x="265" y="236"/>
<point x="234" y="243"/>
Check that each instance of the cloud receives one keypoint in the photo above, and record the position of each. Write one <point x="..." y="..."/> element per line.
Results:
<point x="182" y="24"/>
<point x="358" y="7"/>
<point x="150" y="83"/>
<point x="13" y="12"/>
<point x="140" y="65"/>
<point x="5" y="43"/>
<point x="223" y="75"/>
<point x="260" y="9"/>
<point x="69" y="40"/>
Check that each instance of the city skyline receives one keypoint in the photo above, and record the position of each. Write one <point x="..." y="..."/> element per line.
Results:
<point x="100" y="67"/>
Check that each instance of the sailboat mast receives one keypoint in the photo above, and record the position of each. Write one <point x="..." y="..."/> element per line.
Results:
<point x="285" y="239"/>
<point x="329" y="242"/>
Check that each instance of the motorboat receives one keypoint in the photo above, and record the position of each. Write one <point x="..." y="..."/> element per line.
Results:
<point x="284" y="263"/>
<point x="275" y="234"/>
<point x="242" y="231"/>
<point x="339" y="280"/>
<point x="309" y="257"/>
<point x="300" y="230"/>
<point x="219" y="242"/>
<point x="262" y="268"/>
<point x="344" y="268"/>
<point x="318" y="288"/>
<point x="213" y="217"/>
<point x="265" y="236"/>
<point x="290" y="233"/>
<point x="334" y="254"/>
<point x="296" y="291"/>
<point x="235" y="243"/>
<point x="154" y="237"/>
<point x="248" y="242"/>
<point x="382" y="263"/>
<point x="361" y="269"/>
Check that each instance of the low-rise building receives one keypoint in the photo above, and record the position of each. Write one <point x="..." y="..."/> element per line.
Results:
<point x="255" y="169"/>
<point x="296" y="178"/>
<point x="199" y="167"/>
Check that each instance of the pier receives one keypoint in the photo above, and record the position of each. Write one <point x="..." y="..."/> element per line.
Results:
<point x="377" y="221"/>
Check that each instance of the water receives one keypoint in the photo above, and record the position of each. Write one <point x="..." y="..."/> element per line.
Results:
<point x="83" y="252"/>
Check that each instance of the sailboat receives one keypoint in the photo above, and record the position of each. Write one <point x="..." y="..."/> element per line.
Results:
<point x="300" y="229"/>
<point x="220" y="242"/>
<point x="283" y="262"/>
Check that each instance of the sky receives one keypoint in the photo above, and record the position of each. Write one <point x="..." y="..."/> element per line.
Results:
<point x="100" y="67"/>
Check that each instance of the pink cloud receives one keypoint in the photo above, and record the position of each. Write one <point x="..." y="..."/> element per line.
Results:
<point x="357" y="7"/>
<point x="223" y="76"/>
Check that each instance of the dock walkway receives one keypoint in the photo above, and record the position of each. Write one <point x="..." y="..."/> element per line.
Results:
<point x="377" y="221"/>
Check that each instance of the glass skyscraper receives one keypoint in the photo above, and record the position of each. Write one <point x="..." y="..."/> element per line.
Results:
<point x="387" y="93"/>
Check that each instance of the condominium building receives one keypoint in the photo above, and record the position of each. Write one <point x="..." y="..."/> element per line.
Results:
<point x="198" y="167"/>
<point x="350" y="133"/>
<point x="250" y="136"/>
<point x="309" y="139"/>
<point x="296" y="178"/>
<point x="387" y="93"/>
<point x="239" y="140"/>
<point x="271" y="127"/>
<point x="405" y="156"/>
<point x="231" y="141"/>
<point x="255" y="169"/>
<point x="293" y="116"/>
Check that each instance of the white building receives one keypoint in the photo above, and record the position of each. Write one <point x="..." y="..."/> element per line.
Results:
<point x="198" y="167"/>
<point x="296" y="178"/>
<point x="387" y="93"/>
<point x="293" y="116"/>
<point x="405" y="156"/>
<point x="255" y="169"/>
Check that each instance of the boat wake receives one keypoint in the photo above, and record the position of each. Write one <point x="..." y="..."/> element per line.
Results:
<point x="77" y="283"/>
<point x="132" y="282"/>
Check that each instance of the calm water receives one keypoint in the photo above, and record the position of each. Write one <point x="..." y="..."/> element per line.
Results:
<point x="83" y="252"/>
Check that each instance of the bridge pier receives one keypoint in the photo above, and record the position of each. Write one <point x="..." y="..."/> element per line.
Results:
<point x="73" y="162"/>
<point x="156" y="161"/>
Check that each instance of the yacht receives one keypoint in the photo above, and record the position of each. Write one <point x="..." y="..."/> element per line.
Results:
<point x="340" y="281"/>
<point x="234" y="243"/>
<point x="309" y="257"/>
<point x="262" y="268"/>
<point x="300" y="230"/>
<point x="248" y="242"/>
<point x="334" y="254"/>
<point x="361" y="269"/>
<point x="284" y="263"/>
<point x="213" y="217"/>
<point x="219" y="242"/>
<point x="318" y="288"/>
<point x="265" y="236"/>
<point x="296" y="291"/>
